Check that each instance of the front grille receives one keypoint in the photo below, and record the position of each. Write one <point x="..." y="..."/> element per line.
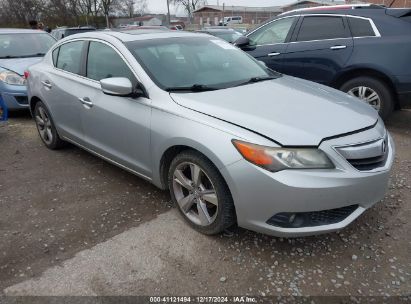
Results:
<point x="366" y="156"/>
<point x="367" y="164"/>
<point x="22" y="100"/>
<point x="311" y="219"/>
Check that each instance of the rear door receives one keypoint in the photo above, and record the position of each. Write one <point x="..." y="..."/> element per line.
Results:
<point x="115" y="127"/>
<point x="269" y="42"/>
<point x="60" y="86"/>
<point x="320" y="47"/>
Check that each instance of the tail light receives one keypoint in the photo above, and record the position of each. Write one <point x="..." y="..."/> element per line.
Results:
<point x="26" y="74"/>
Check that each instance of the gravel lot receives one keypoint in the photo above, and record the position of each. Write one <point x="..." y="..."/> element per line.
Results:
<point x="72" y="224"/>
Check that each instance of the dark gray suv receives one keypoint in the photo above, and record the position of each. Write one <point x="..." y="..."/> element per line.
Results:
<point x="363" y="50"/>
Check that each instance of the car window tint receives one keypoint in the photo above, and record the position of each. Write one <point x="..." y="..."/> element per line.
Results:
<point x="55" y="54"/>
<point x="322" y="27"/>
<point x="361" y="27"/>
<point x="274" y="32"/>
<point x="69" y="58"/>
<point x="104" y="62"/>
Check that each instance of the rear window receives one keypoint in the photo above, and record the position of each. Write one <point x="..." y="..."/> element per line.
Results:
<point x="322" y="27"/>
<point x="361" y="27"/>
<point x="55" y="54"/>
<point x="69" y="57"/>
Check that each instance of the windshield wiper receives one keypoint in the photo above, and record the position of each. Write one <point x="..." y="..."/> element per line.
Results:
<point x="193" y="88"/>
<point x="23" y="56"/>
<point x="257" y="79"/>
<point x="9" y="57"/>
<point x="34" y="55"/>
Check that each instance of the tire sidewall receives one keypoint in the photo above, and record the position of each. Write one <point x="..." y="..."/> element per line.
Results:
<point x="225" y="202"/>
<point x="378" y="86"/>
<point x="54" y="142"/>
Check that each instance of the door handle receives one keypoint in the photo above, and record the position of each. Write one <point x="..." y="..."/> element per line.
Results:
<point x="338" y="47"/>
<point x="273" y="54"/>
<point x="47" y="84"/>
<point x="86" y="101"/>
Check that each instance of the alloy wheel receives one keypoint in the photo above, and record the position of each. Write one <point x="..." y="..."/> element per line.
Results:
<point x="367" y="95"/>
<point x="195" y="194"/>
<point x="44" y="125"/>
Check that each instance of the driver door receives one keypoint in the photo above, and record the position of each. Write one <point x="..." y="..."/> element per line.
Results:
<point x="269" y="43"/>
<point x="115" y="127"/>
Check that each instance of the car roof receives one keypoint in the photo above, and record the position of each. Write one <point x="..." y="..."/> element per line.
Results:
<point x="74" y="28"/>
<point x="128" y="36"/>
<point x="20" y="31"/>
<point x="358" y="10"/>
<point x="211" y="30"/>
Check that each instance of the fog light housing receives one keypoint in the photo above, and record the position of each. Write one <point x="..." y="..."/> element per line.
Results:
<point x="311" y="219"/>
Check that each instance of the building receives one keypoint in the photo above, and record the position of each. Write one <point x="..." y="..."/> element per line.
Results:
<point x="212" y="14"/>
<point x="148" y="20"/>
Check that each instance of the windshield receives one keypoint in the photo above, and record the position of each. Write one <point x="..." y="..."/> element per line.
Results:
<point x="229" y="36"/>
<point x="25" y="45"/>
<point x="199" y="62"/>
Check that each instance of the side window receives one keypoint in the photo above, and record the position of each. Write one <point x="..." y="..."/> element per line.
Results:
<point x="322" y="27"/>
<point x="274" y="32"/>
<point x="55" y="54"/>
<point x="69" y="57"/>
<point x="360" y="27"/>
<point x="104" y="62"/>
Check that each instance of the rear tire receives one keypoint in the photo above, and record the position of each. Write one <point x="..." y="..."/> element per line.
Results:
<point x="200" y="193"/>
<point x="46" y="127"/>
<point x="372" y="91"/>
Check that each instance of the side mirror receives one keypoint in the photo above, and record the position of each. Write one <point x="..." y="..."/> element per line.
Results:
<point x="242" y="42"/>
<point x="116" y="86"/>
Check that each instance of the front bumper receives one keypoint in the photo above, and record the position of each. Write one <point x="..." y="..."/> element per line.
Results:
<point x="259" y="194"/>
<point x="14" y="97"/>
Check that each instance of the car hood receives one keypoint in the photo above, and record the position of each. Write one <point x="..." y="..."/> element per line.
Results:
<point x="290" y="111"/>
<point x="19" y="65"/>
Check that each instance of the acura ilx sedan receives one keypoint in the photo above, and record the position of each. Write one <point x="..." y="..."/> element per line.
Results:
<point x="233" y="141"/>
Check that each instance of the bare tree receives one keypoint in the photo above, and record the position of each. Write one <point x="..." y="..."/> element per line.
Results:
<point x="106" y="6"/>
<point x="140" y="7"/>
<point x="129" y="6"/>
<point x="189" y="5"/>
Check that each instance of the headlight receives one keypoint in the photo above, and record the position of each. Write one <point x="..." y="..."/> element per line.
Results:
<point x="13" y="78"/>
<point x="276" y="159"/>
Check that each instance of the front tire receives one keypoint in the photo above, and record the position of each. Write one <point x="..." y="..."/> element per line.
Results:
<point x="46" y="128"/>
<point x="200" y="193"/>
<point x="372" y="91"/>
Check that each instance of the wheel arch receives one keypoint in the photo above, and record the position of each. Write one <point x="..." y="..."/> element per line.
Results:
<point x="172" y="151"/>
<point x="365" y="71"/>
<point x="32" y="104"/>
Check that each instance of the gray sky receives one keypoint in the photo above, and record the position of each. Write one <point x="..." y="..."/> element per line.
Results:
<point x="160" y="6"/>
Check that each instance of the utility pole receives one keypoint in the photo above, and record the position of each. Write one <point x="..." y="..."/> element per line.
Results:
<point x="168" y="12"/>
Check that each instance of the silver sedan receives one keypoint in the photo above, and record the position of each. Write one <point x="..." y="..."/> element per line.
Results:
<point x="233" y="141"/>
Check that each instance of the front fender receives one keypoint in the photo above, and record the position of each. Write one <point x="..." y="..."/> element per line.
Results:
<point x="170" y="130"/>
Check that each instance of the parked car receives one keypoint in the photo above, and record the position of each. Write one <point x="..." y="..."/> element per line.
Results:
<point x="232" y="140"/>
<point x="176" y="27"/>
<point x="231" y="20"/>
<point x="61" y="32"/>
<point x="19" y="49"/>
<point x="226" y="34"/>
<point x="363" y="50"/>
